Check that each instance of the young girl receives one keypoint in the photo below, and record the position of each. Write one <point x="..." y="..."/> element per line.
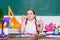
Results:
<point x="30" y="25"/>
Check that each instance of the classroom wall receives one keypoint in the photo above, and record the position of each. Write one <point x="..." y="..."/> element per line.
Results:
<point x="45" y="19"/>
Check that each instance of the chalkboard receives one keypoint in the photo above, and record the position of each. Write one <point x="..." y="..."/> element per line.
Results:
<point x="41" y="7"/>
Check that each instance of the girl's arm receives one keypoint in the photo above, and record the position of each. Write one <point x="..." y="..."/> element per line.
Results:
<point x="40" y="22"/>
<point x="23" y="17"/>
<point x="22" y="28"/>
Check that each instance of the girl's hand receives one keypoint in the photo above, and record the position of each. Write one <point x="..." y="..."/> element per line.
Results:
<point x="23" y="17"/>
<point x="40" y="21"/>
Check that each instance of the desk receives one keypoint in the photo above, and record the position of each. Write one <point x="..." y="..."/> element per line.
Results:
<point x="30" y="39"/>
<point x="39" y="38"/>
<point x="27" y="38"/>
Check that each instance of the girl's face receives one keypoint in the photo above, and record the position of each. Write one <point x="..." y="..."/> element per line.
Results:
<point x="30" y="15"/>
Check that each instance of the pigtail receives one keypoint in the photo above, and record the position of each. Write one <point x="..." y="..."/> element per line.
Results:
<point x="35" y="19"/>
<point x="26" y="21"/>
<point x="36" y="25"/>
<point x="35" y="22"/>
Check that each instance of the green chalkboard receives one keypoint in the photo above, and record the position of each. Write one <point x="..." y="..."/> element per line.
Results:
<point x="41" y="7"/>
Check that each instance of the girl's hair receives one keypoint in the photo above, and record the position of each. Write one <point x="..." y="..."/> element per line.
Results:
<point x="34" y="14"/>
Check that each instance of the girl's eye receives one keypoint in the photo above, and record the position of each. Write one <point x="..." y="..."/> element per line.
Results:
<point x="29" y="14"/>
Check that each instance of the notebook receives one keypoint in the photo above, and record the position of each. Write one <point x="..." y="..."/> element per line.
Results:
<point x="53" y="35"/>
<point x="20" y="35"/>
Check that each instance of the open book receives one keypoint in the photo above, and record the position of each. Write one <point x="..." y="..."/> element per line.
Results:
<point x="53" y="36"/>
